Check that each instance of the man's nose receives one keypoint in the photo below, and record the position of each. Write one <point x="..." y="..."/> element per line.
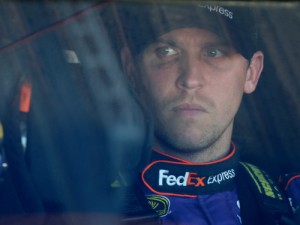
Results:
<point x="191" y="73"/>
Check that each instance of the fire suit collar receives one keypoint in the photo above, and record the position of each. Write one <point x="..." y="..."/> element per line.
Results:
<point x="170" y="176"/>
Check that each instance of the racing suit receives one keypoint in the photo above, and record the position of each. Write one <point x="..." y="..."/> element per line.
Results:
<point x="186" y="193"/>
<point x="291" y="184"/>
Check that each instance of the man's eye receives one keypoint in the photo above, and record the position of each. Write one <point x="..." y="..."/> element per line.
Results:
<point x="166" y="51"/>
<point x="213" y="52"/>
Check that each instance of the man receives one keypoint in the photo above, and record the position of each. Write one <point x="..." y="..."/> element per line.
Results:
<point x="191" y="64"/>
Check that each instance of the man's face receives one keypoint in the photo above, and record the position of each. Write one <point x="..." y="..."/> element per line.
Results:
<point x="193" y="82"/>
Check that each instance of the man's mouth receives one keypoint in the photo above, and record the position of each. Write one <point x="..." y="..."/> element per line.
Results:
<point x="189" y="109"/>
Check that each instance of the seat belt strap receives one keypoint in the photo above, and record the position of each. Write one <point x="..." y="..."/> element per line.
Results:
<point x="270" y="200"/>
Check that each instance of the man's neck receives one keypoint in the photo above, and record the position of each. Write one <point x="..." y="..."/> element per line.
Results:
<point x="206" y="154"/>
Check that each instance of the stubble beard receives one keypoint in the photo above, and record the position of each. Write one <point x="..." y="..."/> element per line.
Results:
<point x="195" y="143"/>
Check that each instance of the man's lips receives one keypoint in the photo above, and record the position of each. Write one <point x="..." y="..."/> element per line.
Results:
<point x="189" y="109"/>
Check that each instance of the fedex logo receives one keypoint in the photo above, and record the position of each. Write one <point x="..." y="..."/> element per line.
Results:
<point x="188" y="179"/>
<point x="218" y="9"/>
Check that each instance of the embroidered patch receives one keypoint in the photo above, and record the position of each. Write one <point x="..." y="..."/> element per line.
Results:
<point x="159" y="204"/>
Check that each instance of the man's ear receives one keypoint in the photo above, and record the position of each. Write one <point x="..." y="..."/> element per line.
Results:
<point x="254" y="71"/>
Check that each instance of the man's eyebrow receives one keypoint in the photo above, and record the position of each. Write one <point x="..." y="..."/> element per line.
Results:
<point x="218" y="43"/>
<point x="163" y="41"/>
